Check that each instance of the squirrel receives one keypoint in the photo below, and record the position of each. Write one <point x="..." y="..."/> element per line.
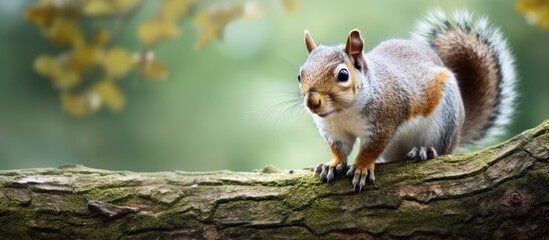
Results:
<point x="450" y="85"/>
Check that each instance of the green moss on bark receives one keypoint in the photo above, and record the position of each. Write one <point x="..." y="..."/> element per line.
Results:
<point x="499" y="192"/>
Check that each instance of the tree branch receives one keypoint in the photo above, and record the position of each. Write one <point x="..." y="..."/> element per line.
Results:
<point x="499" y="192"/>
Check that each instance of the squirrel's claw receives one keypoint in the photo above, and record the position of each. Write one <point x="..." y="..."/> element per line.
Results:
<point x="327" y="176"/>
<point x="351" y="171"/>
<point x="413" y="154"/>
<point x="360" y="175"/>
<point x="326" y="171"/>
<point x="359" y="182"/>
<point x="422" y="153"/>
<point x="432" y="153"/>
<point x="340" y="167"/>
<point x="371" y="176"/>
<point x="318" y="169"/>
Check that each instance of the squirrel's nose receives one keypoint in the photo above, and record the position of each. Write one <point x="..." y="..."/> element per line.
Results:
<point x="313" y="101"/>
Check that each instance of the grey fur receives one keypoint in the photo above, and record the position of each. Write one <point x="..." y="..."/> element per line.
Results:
<point x="438" y="23"/>
<point x="405" y="95"/>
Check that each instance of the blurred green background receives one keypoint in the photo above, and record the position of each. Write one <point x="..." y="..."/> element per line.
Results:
<point x="219" y="108"/>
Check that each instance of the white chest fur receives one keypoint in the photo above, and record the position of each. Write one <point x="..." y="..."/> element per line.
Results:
<point x="344" y="127"/>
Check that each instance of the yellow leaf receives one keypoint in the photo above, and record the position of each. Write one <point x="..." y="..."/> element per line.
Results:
<point x="110" y="94"/>
<point x="289" y="5"/>
<point x="208" y="31"/>
<point x="97" y="8"/>
<point x="155" y="30"/>
<point x="79" y="104"/>
<point x="84" y="57"/>
<point x="172" y="10"/>
<point x="66" y="78"/>
<point x="154" y="70"/>
<point x="42" y="16"/>
<point x="45" y="65"/>
<point x="535" y="11"/>
<point x="61" y="77"/>
<point x="101" y="37"/>
<point x="118" y="62"/>
<point x="212" y="22"/>
<point x="64" y="31"/>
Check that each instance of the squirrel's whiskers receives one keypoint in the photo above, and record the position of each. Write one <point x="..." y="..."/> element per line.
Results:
<point x="451" y="85"/>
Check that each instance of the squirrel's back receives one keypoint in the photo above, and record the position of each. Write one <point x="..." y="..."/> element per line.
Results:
<point x="480" y="59"/>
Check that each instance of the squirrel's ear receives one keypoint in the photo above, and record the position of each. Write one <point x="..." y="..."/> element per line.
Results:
<point x="309" y="41"/>
<point x="354" y="45"/>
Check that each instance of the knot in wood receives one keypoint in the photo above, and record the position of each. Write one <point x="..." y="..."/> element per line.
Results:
<point x="515" y="199"/>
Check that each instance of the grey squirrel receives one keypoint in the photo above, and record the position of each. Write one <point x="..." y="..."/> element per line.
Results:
<point x="451" y="84"/>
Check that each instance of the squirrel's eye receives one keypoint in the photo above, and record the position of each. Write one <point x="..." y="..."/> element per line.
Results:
<point x="299" y="77"/>
<point x="343" y="75"/>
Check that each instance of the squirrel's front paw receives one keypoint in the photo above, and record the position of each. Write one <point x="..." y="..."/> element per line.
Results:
<point x="326" y="171"/>
<point x="360" y="175"/>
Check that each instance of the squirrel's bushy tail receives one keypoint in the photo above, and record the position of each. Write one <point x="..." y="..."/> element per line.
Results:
<point x="482" y="63"/>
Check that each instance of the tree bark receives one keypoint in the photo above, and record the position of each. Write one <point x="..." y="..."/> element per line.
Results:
<point x="499" y="192"/>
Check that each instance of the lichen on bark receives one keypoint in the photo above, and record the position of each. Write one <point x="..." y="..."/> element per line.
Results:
<point x="498" y="192"/>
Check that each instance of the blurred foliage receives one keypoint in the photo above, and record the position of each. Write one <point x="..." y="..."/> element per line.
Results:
<point x="228" y="105"/>
<point x="87" y="72"/>
<point x="535" y="11"/>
